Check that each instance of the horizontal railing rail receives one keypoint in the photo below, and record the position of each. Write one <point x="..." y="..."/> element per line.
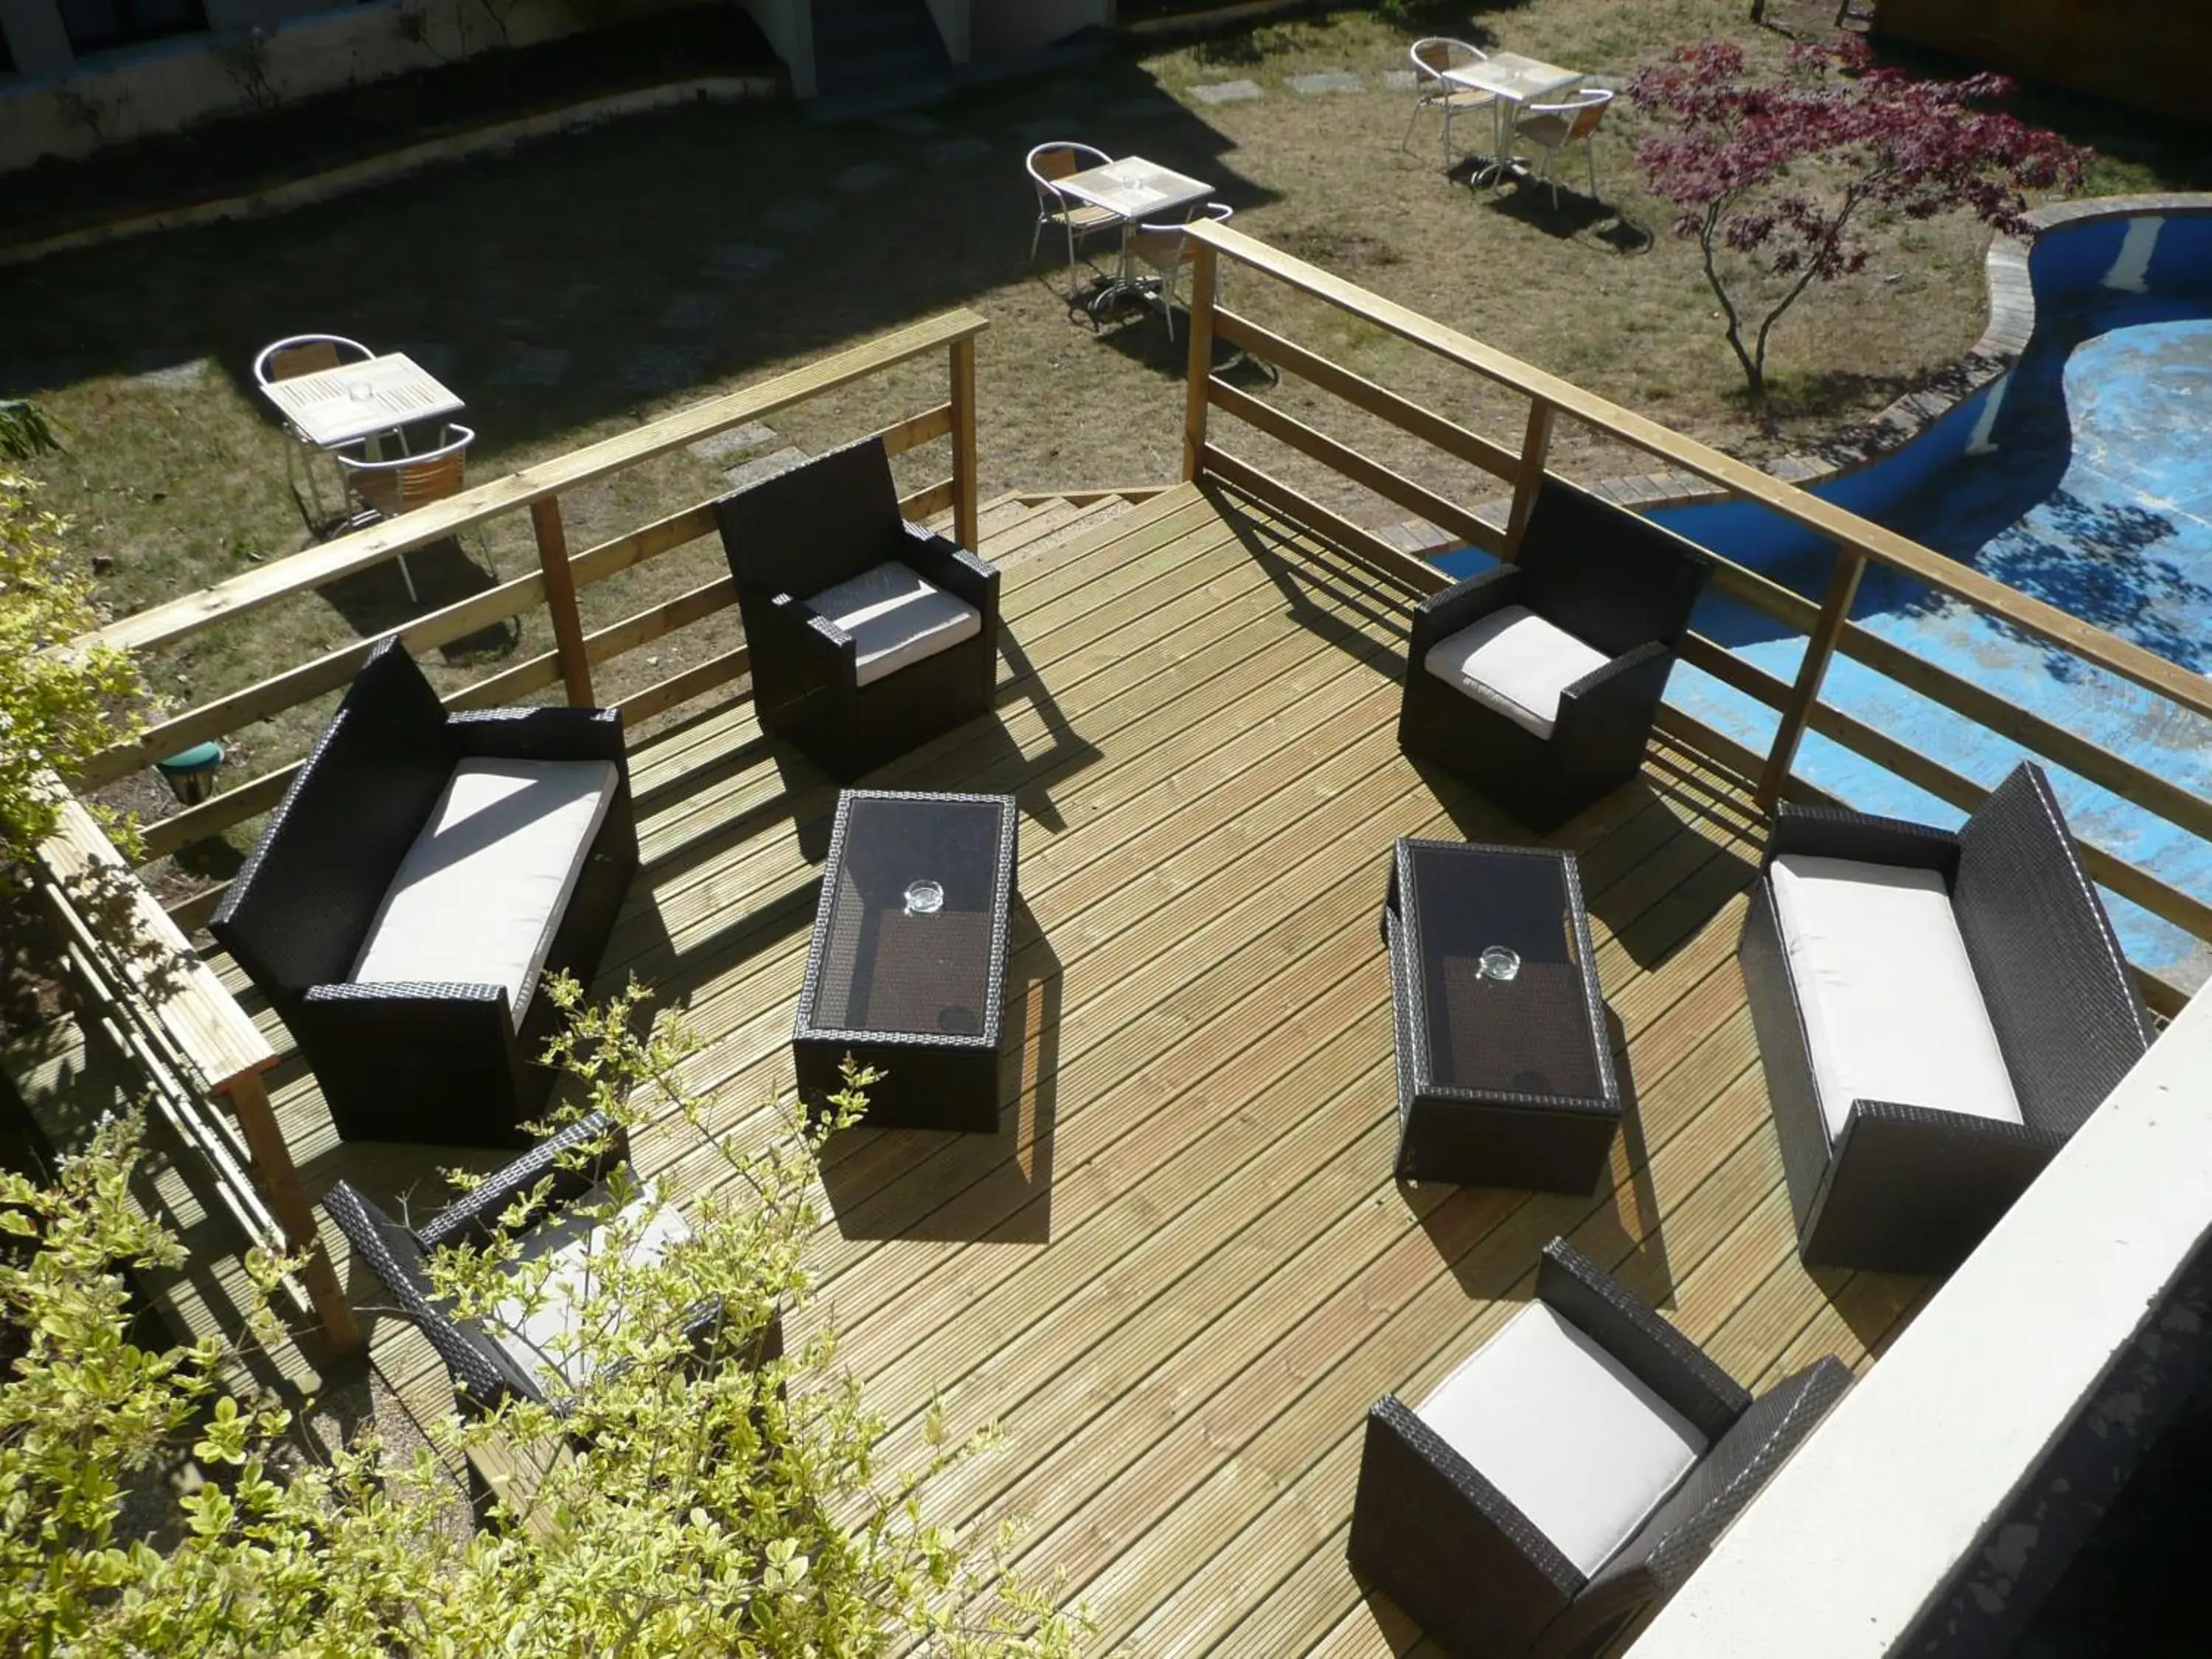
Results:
<point x="1825" y="622"/>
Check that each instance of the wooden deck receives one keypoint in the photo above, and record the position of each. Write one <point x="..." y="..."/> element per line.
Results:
<point x="1182" y="1271"/>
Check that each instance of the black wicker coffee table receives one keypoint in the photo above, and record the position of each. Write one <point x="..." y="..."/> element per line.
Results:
<point x="1504" y="1072"/>
<point x="909" y="957"/>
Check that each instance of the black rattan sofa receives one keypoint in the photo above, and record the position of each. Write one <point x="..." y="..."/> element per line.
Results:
<point x="869" y="635"/>
<point x="489" y="1364"/>
<point x="1537" y="681"/>
<point x="420" y="878"/>
<point x="1565" y="1478"/>
<point x="1937" y="1013"/>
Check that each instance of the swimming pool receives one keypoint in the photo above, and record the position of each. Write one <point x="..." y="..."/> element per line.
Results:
<point x="2082" y="476"/>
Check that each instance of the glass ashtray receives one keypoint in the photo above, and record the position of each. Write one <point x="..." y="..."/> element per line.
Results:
<point x="1498" y="964"/>
<point x="926" y="898"/>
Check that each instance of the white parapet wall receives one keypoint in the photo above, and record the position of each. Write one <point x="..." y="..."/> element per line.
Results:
<point x="1862" y="1544"/>
<point x="253" y="57"/>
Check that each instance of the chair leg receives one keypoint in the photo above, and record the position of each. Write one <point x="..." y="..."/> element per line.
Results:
<point x="1036" y="235"/>
<point x="1589" y="153"/>
<point x="407" y="576"/>
<point x="1448" y="127"/>
<point x="1406" y="143"/>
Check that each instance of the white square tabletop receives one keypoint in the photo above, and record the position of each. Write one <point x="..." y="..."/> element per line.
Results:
<point x="1516" y="79"/>
<point x="1135" y="188"/>
<point x="335" y="406"/>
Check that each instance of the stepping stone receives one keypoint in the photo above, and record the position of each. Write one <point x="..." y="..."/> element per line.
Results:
<point x="738" y="260"/>
<point x="868" y="175"/>
<point x="688" y="312"/>
<point x="1398" y="80"/>
<point x="665" y="367"/>
<point x="907" y="124"/>
<point x="530" y="365"/>
<point x="753" y="434"/>
<point x="1070" y="90"/>
<point x="765" y="467"/>
<point x="798" y="216"/>
<point x="1227" y="92"/>
<point x="1142" y="109"/>
<point x="174" y="377"/>
<point x="947" y="151"/>
<point x="1328" y="81"/>
<point x="1052" y="127"/>
<point x="438" y="356"/>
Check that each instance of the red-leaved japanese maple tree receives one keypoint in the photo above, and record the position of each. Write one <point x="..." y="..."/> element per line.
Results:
<point x="1771" y="175"/>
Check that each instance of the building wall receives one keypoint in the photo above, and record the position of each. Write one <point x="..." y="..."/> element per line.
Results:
<point x="789" y="26"/>
<point x="999" y="28"/>
<point x="59" y="104"/>
<point x="2154" y="54"/>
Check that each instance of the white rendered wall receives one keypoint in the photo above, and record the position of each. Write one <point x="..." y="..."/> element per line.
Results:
<point x="1893" y="1492"/>
<point x="999" y="28"/>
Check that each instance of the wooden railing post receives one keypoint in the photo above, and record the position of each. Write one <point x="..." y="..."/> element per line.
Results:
<point x="963" y="399"/>
<point x="288" y="1202"/>
<point x="1835" y="613"/>
<point x="1205" y="267"/>
<point x="1535" y="449"/>
<point x="561" y="600"/>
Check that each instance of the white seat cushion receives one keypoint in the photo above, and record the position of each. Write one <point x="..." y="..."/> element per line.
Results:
<point x="480" y="893"/>
<point x="1577" y="1444"/>
<point x="896" y="617"/>
<point x="1516" y="663"/>
<point x="538" y="1343"/>
<point x="1892" y="1011"/>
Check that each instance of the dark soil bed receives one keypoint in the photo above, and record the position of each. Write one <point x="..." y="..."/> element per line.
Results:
<point x="236" y="154"/>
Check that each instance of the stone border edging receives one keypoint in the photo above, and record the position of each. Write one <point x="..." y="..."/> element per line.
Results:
<point x="373" y="170"/>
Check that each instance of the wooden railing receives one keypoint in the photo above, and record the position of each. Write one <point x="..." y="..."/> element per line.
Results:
<point x="200" y="1055"/>
<point x="1827" y="623"/>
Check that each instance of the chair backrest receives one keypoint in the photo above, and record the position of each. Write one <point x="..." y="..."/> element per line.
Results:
<point x="1610" y="577"/>
<point x="295" y="915"/>
<point x="392" y="487"/>
<point x="306" y="354"/>
<point x="1585" y="111"/>
<point x="1047" y="163"/>
<point x="2060" y="994"/>
<point x="1434" y="56"/>
<point x="1163" y="245"/>
<point x="815" y="525"/>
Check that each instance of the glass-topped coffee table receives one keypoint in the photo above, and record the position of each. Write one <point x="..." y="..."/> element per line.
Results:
<point x="909" y="960"/>
<point x="1504" y="1071"/>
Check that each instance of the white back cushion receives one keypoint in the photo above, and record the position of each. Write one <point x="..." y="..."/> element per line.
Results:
<point x="896" y="617"/>
<point x="479" y="894"/>
<point x="1515" y="662"/>
<point x="1577" y="1444"/>
<point x="1892" y="1008"/>
<point x="539" y="1342"/>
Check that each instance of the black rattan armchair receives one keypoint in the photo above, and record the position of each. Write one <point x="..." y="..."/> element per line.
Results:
<point x="1912" y="1179"/>
<point x="1537" y="681"/>
<point x="406" y="1041"/>
<point x="869" y="635"/>
<point x="487" y="1364"/>
<point x="1566" y="1479"/>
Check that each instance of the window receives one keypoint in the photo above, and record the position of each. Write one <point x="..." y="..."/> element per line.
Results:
<point x="95" y="24"/>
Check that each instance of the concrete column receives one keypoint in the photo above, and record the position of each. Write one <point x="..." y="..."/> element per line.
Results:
<point x="36" y="39"/>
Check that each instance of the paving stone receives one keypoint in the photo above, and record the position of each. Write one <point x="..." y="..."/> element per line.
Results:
<point x="799" y="216"/>
<point x="1142" y="109"/>
<point x="1398" y="80"/>
<point x="438" y="356"/>
<point x="908" y="124"/>
<point x="1326" y="81"/>
<point x="665" y="366"/>
<point x="738" y="440"/>
<point x="530" y="365"/>
<point x="1069" y="89"/>
<point x="945" y="152"/>
<point x="1043" y="132"/>
<point x="765" y="467"/>
<point x="737" y="260"/>
<point x="869" y="175"/>
<point x="690" y="312"/>
<point x="1226" y="92"/>
<point x="174" y="377"/>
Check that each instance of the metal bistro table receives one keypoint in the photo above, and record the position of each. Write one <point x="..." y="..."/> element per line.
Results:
<point x="1504" y="1072"/>
<point x="908" y="962"/>
<point x="1132" y="188"/>
<point x="1514" y="81"/>
<point x="335" y="406"/>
